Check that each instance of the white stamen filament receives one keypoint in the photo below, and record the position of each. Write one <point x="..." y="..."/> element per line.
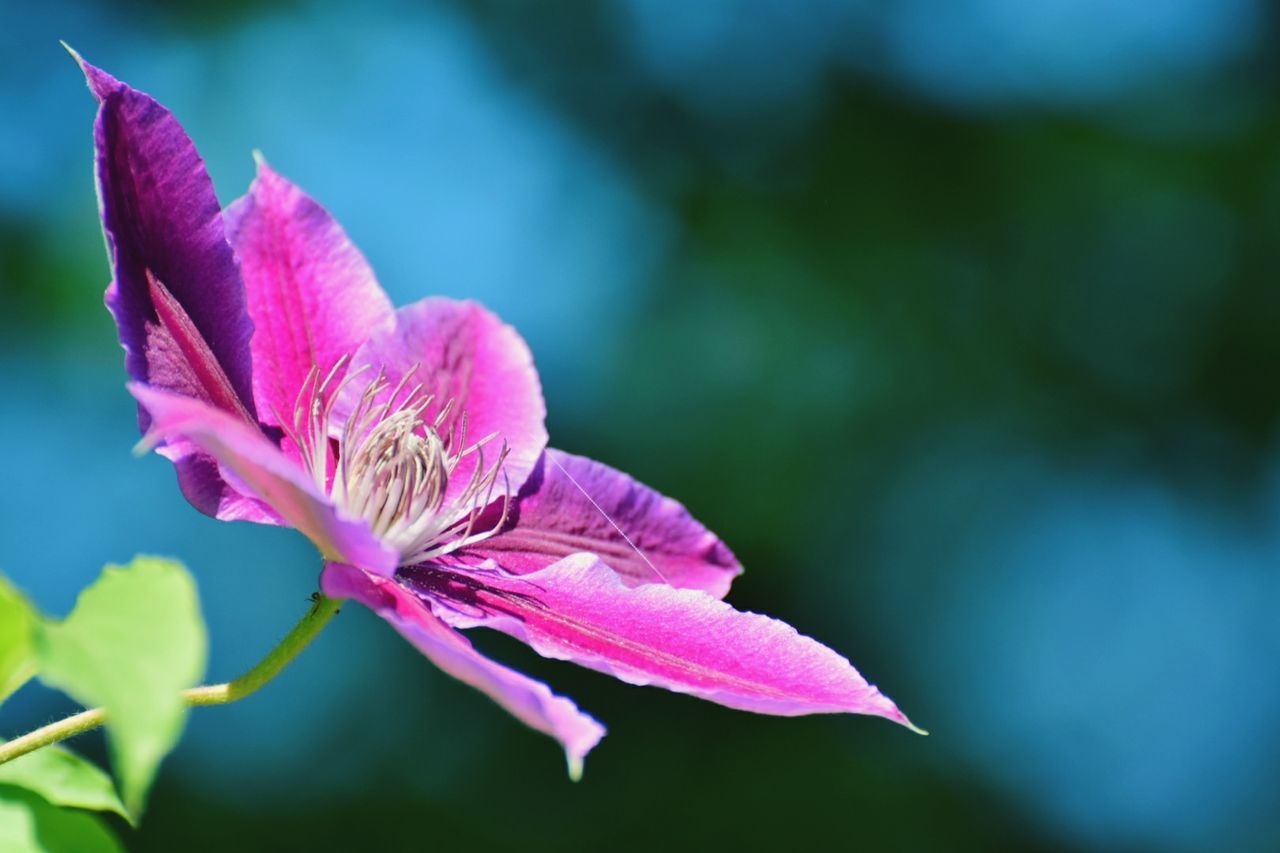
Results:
<point x="388" y="465"/>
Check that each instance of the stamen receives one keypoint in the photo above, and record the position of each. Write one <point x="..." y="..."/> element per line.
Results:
<point x="393" y="467"/>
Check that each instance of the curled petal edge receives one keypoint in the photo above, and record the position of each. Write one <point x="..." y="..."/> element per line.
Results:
<point x="252" y="464"/>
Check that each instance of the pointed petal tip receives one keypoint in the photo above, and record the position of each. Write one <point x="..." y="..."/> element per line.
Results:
<point x="893" y="714"/>
<point x="260" y="161"/>
<point x="268" y="181"/>
<point x="74" y="53"/>
<point x="576" y="750"/>
<point x="100" y="82"/>
<point x="268" y="175"/>
<point x="904" y="722"/>
<point x="266" y="178"/>
<point x="150" y="440"/>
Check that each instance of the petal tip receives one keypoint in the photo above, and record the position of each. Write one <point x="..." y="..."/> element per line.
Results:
<point x="150" y="440"/>
<point x="71" y="50"/>
<point x="266" y="180"/>
<point x="267" y="175"/>
<point x="576" y="749"/>
<point x="101" y="84"/>
<point x="894" y="714"/>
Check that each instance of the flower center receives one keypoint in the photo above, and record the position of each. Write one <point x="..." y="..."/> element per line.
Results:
<point x="387" y="463"/>
<point x="395" y="474"/>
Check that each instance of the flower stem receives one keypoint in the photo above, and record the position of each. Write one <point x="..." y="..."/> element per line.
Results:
<point x="322" y="610"/>
<point x="270" y="666"/>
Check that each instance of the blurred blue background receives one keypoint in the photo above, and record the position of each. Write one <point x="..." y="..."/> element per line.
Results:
<point x="958" y="320"/>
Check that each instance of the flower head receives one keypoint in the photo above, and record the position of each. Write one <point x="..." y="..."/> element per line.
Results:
<point x="409" y="445"/>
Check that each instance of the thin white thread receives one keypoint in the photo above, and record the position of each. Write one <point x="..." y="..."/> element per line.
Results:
<point x="600" y="509"/>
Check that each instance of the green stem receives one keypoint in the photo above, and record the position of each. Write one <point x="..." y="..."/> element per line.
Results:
<point x="277" y="659"/>
<point x="322" y="610"/>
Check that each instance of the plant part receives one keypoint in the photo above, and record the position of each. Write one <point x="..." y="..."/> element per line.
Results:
<point x="409" y="445"/>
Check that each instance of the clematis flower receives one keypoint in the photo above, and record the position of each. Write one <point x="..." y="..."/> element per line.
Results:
<point x="409" y="445"/>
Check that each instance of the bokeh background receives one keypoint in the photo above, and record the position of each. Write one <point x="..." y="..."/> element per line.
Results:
<point x="957" y="319"/>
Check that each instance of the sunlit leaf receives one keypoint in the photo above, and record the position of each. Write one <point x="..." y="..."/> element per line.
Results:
<point x="64" y="779"/>
<point x="17" y="661"/>
<point x="30" y="824"/>
<point x="133" y="642"/>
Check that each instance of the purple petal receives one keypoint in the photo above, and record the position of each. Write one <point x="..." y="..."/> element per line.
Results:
<point x="203" y="486"/>
<point x="572" y="504"/>
<point x="176" y="295"/>
<point x="530" y="701"/>
<point x="251" y="463"/>
<point x="681" y="639"/>
<point x="311" y="294"/>
<point x="465" y="355"/>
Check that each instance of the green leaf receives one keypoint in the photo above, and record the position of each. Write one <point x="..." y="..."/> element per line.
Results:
<point x="134" y="641"/>
<point x="29" y="824"/>
<point x="64" y="779"/>
<point x="17" y="621"/>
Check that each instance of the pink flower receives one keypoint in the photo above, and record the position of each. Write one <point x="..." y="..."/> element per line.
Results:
<point x="408" y="444"/>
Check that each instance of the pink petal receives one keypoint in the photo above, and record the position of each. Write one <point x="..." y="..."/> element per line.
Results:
<point x="571" y="505"/>
<point x="250" y="462"/>
<point x="530" y="701"/>
<point x="681" y="639"/>
<point x="311" y="294"/>
<point x="466" y="355"/>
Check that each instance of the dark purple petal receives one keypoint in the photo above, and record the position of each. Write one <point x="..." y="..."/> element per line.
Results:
<point x="311" y="294"/>
<point x="529" y="701"/>
<point x="681" y="639"/>
<point x="572" y="504"/>
<point x="176" y="294"/>
<point x="203" y="486"/>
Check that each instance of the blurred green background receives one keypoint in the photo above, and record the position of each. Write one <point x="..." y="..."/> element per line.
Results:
<point x="958" y="321"/>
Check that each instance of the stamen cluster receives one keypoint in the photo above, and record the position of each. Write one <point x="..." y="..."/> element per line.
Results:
<point x="386" y="463"/>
